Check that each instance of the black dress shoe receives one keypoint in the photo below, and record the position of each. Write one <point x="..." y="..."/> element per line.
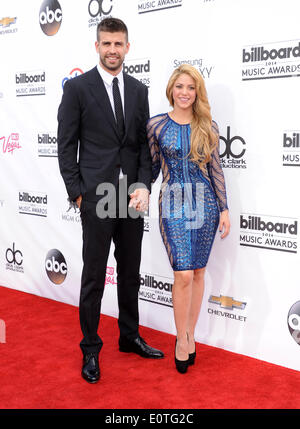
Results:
<point x="181" y="365"/>
<point x="90" y="368"/>
<point x="139" y="346"/>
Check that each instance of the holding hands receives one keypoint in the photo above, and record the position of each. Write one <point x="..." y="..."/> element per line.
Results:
<point x="140" y="199"/>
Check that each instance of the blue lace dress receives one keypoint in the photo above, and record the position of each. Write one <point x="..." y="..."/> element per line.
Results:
<point x="190" y="200"/>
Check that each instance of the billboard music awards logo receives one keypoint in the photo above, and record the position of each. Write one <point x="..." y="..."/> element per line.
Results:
<point x="232" y="151"/>
<point x="98" y="10"/>
<point x="269" y="232"/>
<point x="47" y="145"/>
<point x="50" y="17"/>
<point x="14" y="259"/>
<point x="56" y="266"/>
<point x="226" y="303"/>
<point x="10" y="143"/>
<point x="271" y="60"/>
<point x="291" y="148"/>
<point x="156" y="289"/>
<point x="155" y="5"/>
<point x="199" y="64"/>
<point x="33" y="203"/>
<point x="293" y="321"/>
<point x="30" y="83"/>
<point x="7" y="25"/>
<point x="138" y="68"/>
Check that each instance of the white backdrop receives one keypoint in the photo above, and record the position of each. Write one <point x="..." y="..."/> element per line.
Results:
<point x="249" y="54"/>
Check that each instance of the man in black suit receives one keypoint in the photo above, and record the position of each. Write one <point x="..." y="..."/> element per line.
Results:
<point x="103" y="152"/>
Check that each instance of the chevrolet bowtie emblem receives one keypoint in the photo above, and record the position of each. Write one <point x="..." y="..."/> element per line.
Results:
<point x="227" y="302"/>
<point x="5" y="22"/>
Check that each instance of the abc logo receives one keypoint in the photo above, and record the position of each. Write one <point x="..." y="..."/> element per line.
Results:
<point x="56" y="267"/>
<point x="294" y="321"/>
<point x="50" y="17"/>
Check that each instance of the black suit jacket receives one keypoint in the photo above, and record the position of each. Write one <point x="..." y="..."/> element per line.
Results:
<point x="89" y="148"/>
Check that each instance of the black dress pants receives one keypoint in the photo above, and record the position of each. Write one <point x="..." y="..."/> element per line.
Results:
<point x="126" y="233"/>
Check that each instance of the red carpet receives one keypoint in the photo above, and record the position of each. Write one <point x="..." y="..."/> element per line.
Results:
<point x="41" y="363"/>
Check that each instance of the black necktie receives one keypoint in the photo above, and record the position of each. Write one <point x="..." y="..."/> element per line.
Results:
<point x="118" y="107"/>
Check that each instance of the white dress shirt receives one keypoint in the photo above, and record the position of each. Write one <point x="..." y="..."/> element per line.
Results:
<point x="108" y="83"/>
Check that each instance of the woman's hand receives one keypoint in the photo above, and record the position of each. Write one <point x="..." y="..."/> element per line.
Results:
<point x="140" y="199"/>
<point x="224" y="224"/>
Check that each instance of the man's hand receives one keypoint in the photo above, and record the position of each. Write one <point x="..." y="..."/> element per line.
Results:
<point x="140" y="199"/>
<point x="78" y="201"/>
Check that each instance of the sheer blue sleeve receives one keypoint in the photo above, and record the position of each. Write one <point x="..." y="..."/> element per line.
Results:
<point x="216" y="174"/>
<point x="154" y="146"/>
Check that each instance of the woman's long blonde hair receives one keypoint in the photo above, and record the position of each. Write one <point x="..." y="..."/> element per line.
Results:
<point x="203" y="138"/>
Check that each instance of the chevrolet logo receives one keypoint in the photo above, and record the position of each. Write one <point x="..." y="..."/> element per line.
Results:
<point x="227" y="302"/>
<point x="5" y="22"/>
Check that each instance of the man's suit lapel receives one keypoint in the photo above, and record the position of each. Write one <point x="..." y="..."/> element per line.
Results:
<point x="99" y="92"/>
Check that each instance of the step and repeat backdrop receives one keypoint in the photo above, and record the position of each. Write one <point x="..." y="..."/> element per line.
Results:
<point x="249" y="55"/>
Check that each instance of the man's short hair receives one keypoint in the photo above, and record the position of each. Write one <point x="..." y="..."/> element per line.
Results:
<point x="112" y="25"/>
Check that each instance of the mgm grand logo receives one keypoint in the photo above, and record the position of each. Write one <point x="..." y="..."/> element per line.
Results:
<point x="156" y="289"/>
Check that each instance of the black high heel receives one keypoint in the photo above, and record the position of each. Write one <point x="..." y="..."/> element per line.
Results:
<point x="181" y="365"/>
<point x="192" y="356"/>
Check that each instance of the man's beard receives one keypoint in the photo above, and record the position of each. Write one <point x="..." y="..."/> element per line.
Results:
<point x="112" y="67"/>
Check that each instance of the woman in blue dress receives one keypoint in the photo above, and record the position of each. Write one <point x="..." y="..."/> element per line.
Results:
<point x="184" y="144"/>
